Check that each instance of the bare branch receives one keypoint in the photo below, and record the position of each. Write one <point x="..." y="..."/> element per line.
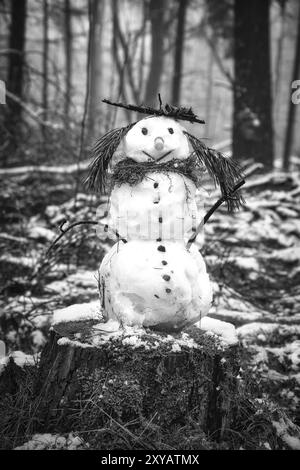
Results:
<point x="33" y="114"/>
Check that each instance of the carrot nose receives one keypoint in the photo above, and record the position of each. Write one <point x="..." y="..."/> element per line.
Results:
<point x="159" y="143"/>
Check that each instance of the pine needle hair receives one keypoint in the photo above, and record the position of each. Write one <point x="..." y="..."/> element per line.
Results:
<point x="102" y="153"/>
<point x="224" y="171"/>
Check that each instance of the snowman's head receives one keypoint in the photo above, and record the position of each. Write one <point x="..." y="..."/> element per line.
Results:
<point x="156" y="139"/>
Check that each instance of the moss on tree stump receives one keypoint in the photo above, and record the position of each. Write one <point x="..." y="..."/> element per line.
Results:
<point x="139" y="377"/>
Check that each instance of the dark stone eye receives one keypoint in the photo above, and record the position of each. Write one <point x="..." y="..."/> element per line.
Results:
<point x="145" y="130"/>
<point x="171" y="130"/>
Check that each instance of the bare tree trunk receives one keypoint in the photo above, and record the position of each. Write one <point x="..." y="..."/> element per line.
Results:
<point x="45" y="63"/>
<point x="209" y="93"/>
<point x="16" y="59"/>
<point x="68" y="56"/>
<point x="142" y="54"/>
<point x="94" y="110"/>
<point x="119" y="66"/>
<point x="156" y="11"/>
<point x="292" y="108"/>
<point x="179" y="46"/>
<point x="252" y="127"/>
<point x="277" y="80"/>
<point x="127" y="55"/>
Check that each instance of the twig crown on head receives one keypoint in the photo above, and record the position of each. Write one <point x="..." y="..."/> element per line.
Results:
<point x="181" y="113"/>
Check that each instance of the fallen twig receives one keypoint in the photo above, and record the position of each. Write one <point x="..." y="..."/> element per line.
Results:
<point x="64" y="169"/>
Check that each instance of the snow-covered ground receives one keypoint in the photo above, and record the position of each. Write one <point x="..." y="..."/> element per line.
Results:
<point x="252" y="257"/>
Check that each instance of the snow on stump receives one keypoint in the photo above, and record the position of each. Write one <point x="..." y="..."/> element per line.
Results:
<point x="137" y="375"/>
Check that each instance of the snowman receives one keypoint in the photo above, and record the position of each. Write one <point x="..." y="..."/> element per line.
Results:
<point x="150" y="278"/>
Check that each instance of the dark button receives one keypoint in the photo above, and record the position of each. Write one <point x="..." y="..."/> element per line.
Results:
<point x="168" y="291"/>
<point x="166" y="277"/>
<point x="158" y="239"/>
<point x="161" y="248"/>
<point x="164" y="262"/>
<point x="160" y="220"/>
<point x="155" y="185"/>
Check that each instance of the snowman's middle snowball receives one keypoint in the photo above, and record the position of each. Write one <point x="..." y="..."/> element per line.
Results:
<point x="160" y="206"/>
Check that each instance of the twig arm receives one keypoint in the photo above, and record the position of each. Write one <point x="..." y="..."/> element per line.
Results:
<point x="81" y="222"/>
<point x="212" y="210"/>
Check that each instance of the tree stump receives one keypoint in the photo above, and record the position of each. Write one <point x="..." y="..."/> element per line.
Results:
<point x="139" y="376"/>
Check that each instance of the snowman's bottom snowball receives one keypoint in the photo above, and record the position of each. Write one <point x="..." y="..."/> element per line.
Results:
<point x="154" y="284"/>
